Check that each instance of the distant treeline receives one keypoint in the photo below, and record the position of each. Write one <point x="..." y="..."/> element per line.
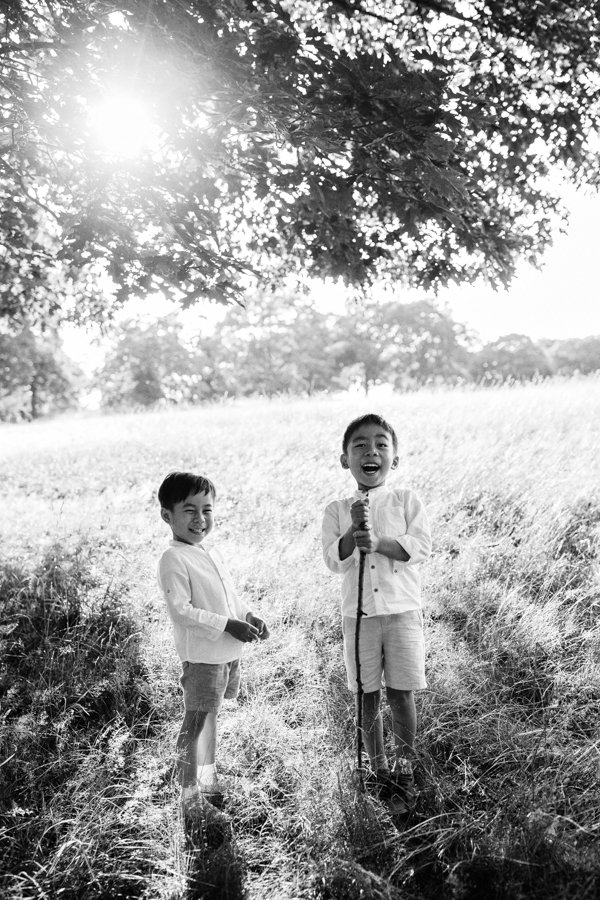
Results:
<point x="279" y="345"/>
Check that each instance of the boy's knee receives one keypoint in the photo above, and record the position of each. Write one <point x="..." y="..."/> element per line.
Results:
<point x="399" y="697"/>
<point x="193" y="721"/>
<point x="372" y="698"/>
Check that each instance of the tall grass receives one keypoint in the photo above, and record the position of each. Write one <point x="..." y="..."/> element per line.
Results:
<point x="509" y="725"/>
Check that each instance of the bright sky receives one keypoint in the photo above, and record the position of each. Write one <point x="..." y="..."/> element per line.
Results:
<point x="562" y="300"/>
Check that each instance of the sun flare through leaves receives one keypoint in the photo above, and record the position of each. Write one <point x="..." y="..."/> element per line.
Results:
<point x="122" y="126"/>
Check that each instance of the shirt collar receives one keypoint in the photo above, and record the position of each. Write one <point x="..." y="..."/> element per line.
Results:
<point x="175" y="543"/>
<point x="380" y="489"/>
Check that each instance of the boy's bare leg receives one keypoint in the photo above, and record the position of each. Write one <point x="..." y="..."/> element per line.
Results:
<point x="192" y="799"/>
<point x="404" y="721"/>
<point x="373" y="730"/>
<point x="207" y="742"/>
<point x="187" y="746"/>
<point x="207" y="751"/>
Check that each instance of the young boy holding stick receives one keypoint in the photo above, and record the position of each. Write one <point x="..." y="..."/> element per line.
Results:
<point x="389" y="526"/>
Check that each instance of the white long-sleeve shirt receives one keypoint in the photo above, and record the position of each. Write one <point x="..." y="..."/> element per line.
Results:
<point x="389" y="586"/>
<point x="200" y="596"/>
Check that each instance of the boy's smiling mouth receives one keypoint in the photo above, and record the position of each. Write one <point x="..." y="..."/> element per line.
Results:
<point x="370" y="468"/>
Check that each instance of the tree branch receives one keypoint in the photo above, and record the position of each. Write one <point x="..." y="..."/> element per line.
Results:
<point x="442" y="8"/>
<point x="349" y="7"/>
<point x="20" y="180"/>
<point x="31" y="45"/>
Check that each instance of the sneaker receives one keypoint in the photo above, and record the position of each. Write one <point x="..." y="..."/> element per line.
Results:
<point x="375" y="783"/>
<point x="190" y="797"/>
<point x="378" y="782"/>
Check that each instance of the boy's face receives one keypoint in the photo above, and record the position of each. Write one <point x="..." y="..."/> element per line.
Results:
<point x="369" y="456"/>
<point x="191" y="519"/>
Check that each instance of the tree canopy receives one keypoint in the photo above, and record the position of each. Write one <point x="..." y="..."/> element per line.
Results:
<point x="359" y="139"/>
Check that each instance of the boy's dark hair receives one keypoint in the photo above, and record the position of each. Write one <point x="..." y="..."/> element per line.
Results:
<point x="368" y="419"/>
<point x="177" y="486"/>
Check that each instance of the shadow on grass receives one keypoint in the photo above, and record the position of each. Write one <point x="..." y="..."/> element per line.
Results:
<point x="77" y="711"/>
<point x="216" y="869"/>
<point x="216" y="874"/>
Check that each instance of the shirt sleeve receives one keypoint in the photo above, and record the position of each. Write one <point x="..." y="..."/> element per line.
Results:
<point x="417" y="540"/>
<point x="174" y="582"/>
<point x="331" y="533"/>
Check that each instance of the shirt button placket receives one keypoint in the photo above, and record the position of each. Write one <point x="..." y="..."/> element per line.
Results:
<point x="375" y="572"/>
<point x="375" y="586"/>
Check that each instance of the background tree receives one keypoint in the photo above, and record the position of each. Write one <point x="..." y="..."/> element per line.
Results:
<point x="212" y="375"/>
<point x="426" y="345"/>
<point x="575" y="355"/>
<point x="514" y="356"/>
<point x="278" y="343"/>
<point x="282" y="343"/>
<point x="360" y="348"/>
<point x="36" y="377"/>
<point x="331" y="137"/>
<point x="146" y="364"/>
<point x="405" y="344"/>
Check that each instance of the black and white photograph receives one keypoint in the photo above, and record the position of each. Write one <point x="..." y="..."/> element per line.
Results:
<point x="299" y="450"/>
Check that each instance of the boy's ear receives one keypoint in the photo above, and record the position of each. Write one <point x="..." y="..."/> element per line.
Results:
<point x="165" y="515"/>
<point x="344" y="461"/>
<point x="395" y="462"/>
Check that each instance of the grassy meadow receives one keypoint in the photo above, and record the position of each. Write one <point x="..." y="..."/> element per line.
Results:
<point x="509" y="744"/>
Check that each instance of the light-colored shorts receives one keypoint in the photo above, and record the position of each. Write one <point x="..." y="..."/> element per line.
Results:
<point x="206" y="685"/>
<point x="392" y="646"/>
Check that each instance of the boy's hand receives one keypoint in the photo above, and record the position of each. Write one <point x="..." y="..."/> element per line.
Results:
<point x="263" y="631"/>
<point x="360" y="513"/>
<point x="242" y="631"/>
<point x="366" y="541"/>
<point x="364" y="538"/>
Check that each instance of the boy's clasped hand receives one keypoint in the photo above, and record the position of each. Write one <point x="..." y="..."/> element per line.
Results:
<point x="253" y="629"/>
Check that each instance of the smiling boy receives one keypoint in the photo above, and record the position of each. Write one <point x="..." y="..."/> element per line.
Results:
<point x="390" y="526"/>
<point x="210" y="625"/>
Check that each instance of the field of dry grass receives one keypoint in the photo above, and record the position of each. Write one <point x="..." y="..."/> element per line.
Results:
<point x="509" y="758"/>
